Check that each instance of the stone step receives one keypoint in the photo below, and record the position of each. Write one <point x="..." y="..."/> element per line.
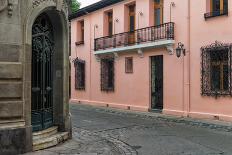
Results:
<point x="50" y="141"/>
<point x="45" y="133"/>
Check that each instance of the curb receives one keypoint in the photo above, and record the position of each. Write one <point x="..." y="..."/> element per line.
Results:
<point x="209" y="124"/>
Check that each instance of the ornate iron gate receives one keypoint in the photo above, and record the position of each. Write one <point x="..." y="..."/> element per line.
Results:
<point x="157" y="82"/>
<point x="42" y="88"/>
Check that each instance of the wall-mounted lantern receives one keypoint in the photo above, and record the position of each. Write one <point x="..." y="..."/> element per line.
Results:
<point x="180" y="49"/>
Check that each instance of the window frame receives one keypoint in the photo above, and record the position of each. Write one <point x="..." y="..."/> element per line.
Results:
<point x="206" y="69"/>
<point x="215" y="13"/>
<point x="127" y="70"/>
<point x="79" y="66"/>
<point x="105" y="74"/>
<point x="81" y="27"/>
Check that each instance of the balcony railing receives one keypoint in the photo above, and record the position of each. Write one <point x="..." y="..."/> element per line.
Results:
<point x="216" y="13"/>
<point x="139" y="36"/>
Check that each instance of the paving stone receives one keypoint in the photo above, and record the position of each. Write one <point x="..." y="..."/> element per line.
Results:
<point x="100" y="132"/>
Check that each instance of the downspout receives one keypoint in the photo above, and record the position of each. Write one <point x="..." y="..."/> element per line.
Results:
<point x="90" y="60"/>
<point x="189" y="57"/>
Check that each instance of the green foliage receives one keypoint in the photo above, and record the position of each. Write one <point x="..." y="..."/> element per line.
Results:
<point x="75" y="6"/>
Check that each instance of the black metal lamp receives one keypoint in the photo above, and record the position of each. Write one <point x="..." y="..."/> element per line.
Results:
<point x="180" y="49"/>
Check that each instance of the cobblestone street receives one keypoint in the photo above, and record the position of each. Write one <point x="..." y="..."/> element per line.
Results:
<point x="102" y="132"/>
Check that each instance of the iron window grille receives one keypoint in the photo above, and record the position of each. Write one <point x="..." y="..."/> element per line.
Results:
<point x="107" y="74"/>
<point x="129" y="65"/>
<point x="216" y="70"/>
<point x="79" y="74"/>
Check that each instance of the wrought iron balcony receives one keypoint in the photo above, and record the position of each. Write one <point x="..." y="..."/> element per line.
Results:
<point x="216" y="13"/>
<point x="139" y="38"/>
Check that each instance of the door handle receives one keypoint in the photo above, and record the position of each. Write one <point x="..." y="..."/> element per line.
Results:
<point x="35" y="89"/>
<point x="48" y="88"/>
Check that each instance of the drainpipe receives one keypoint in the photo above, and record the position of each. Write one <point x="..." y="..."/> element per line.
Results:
<point x="90" y="58"/>
<point x="188" y="100"/>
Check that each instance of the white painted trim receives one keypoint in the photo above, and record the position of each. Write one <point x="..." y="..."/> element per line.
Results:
<point x="157" y="44"/>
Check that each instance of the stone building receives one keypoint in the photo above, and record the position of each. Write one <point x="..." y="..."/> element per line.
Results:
<point x="34" y="69"/>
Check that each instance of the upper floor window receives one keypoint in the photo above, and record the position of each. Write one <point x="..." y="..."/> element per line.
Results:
<point x="217" y="8"/>
<point x="132" y="17"/>
<point x="80" y="32"/>
<point x="158" y="12"/>
<point x="79" y="74"/>
<point x="131" y="35"/>
<point x="110" y="23"/>
<point x="216" y="70"/>
<point x="107" y="74"/>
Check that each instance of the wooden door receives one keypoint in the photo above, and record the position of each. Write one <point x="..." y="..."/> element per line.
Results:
<point x="157" y="82"/>
<point x="158" y="12"/>
<point x="131" y="34"/>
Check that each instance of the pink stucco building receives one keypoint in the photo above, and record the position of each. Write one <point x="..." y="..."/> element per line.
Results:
<point x="124" y="55"/>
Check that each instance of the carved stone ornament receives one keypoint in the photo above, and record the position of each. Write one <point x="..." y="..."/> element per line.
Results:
<point x="3" y="4"/>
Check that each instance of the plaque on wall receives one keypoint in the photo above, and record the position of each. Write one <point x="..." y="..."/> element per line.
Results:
<point x="3" y="4"/>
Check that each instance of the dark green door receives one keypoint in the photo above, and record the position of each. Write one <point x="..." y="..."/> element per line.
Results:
<point x="42" y="88"/>
<point x="157" y="82"/>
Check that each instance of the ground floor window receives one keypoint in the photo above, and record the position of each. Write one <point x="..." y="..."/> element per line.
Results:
<point x="107" y="74"/>
<point x="216" y="69"/>
<point x="79" y="74"/>
<point x="129" y="64"/>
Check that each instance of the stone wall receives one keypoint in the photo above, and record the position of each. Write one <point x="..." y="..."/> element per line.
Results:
<point x="16" y="20"/>
<point x="11" y="81"/>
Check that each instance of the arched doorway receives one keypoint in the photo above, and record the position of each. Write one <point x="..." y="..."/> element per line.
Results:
<point x="42" y="73"/>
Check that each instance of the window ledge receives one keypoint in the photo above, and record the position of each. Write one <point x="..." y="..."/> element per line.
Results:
<point x="79" y="43"/>
<point x="216" y="14"/>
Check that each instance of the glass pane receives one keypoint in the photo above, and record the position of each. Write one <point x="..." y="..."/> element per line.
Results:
<point x="110" y="28"/>
<point x="132" y="23"/>
<point x="225" y="5"/>
<point x="225" y="77"/>
<point x="82" y="81"/>
<point x="157" y="1"/>
<point x="219" y="55"/>
<point x="110" y="74"/>
<point x="216" y="7"/>
<point x="157" y="17"/>
<point x="215" y="77"/>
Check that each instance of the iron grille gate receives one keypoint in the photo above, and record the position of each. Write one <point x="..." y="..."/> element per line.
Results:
<point x="157" y="82"/>
<point x="42" y="89"/>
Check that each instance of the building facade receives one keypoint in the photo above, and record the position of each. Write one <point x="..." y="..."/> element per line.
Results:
<point x="168" y="55"/>
<point x="34" y="68"/>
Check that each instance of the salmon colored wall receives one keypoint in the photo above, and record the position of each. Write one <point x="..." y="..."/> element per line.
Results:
<point x="133" y="90"/>
<point x="205" y="33"/>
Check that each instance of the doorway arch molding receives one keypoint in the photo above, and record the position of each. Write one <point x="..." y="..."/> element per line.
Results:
<point x="57" y="10"/>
